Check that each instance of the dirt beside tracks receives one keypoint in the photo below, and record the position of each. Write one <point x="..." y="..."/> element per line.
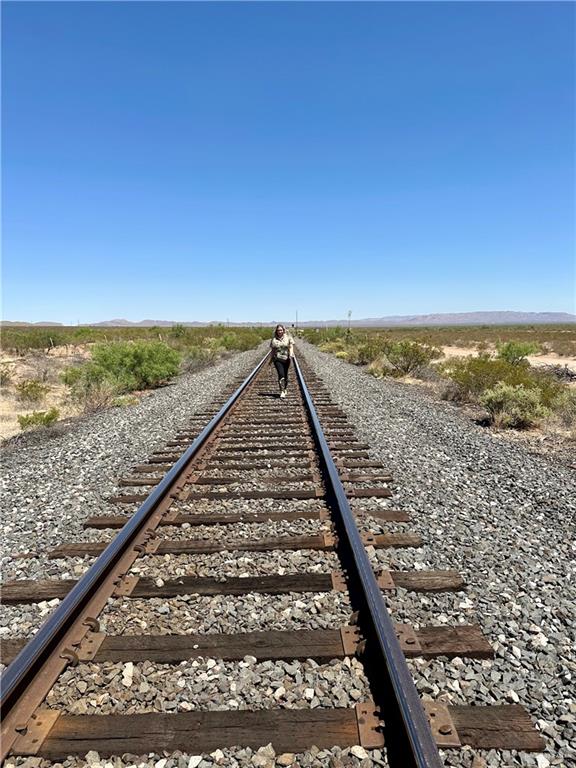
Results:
<point x="544" y="359"/>
<point x="45" y="367"/>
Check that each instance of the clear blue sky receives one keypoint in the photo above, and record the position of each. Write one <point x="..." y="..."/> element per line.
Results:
<point x="199" y="161"/>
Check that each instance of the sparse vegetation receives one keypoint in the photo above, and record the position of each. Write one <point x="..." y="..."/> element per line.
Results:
<point x="93" y="379"/>
<point x="564" y="407"/>
<point x="38" y="419"/>
<point x="472" y="376"/>
<point x="22" y="339"/>
<point x="382" y="355"/>
<point x="31" y="391"/>
<point x="516" y="352"/>
<point x="515" y="393"/>
<point x="407" y="356"/>
<point x="6" y="375"/>
<point x="90" y="388"/>
<point x="560" y="339"/>
<point x="514" y="406"/>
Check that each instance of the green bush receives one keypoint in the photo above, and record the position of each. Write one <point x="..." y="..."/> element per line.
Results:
<point x="31" y="391"/>
<point x="332" y="346"/>
<point x="474" y="375"/>
<point x="120" y="367"/>
<point x="6" y="375"/>
<point x="38" y="419"/>
<point x="564" y="407"/>
<point x="136" y="365"/>
<point x="513" y="406"/>
<point x="407" y="356"/>
<point x="178" y="331"/>
<point x="369" y="351"/>
<point x="381" y="367"/>
<point x="90" y="386"/>
<point x="516" y="352"/>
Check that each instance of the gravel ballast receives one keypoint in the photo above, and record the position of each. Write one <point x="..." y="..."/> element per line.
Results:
<point x="208" y="684"/>
<point x="50" y="486"/>
<point x="502" y="517"/>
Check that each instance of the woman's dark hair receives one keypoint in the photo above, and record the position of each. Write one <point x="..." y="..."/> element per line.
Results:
<point x="278" y="328"/>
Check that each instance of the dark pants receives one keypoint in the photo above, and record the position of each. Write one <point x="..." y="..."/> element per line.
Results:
<point x="282" y="370"/>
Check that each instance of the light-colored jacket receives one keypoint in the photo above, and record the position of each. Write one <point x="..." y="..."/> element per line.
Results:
<point x="282" y="349"/>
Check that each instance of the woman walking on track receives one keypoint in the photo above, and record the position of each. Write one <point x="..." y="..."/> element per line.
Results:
<point x="282" y="351"/>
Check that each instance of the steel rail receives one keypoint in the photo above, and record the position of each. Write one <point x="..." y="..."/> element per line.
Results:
<point x="21" y="671"/>
<point x="413" y="717"/>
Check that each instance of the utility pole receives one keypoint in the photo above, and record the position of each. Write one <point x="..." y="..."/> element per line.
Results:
<point x="349" y="316"/>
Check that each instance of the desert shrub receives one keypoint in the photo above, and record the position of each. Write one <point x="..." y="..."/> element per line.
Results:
<point x="474" y="375"/>
<point x="407" y="356"/>
<point x="381" y="367"/>
<point x="564" y="407"/>
<point x="197" y="358"/>
<point x="562" y="347"/>
<point x="428" y="373"/>
<point x="31" y="391"/>
<point x="82" y="334"/>
<point x="90" y="387"/>
<point x="516" y="352"/>
<point x="6" y="375"/>
<point x="333" y="346"/>
<point x="178" y="331"/>
<point x="450" y="391"/>
<point x="369" y="351"/>
<point x="117" y="368"/>
<point x="513" y="406"/>
<point x="38" y="419"/>
<point x="230" y="341"/>
<point x="548" y="386"/>
<point x="136" y="365"/>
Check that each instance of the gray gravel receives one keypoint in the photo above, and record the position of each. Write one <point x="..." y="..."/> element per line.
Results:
<point x="226" y="613"/>
<point x="502" y="517"/>
<point x="50" y="486"/>
<point x="265" y="757"/>
<point x="224" y="564"/>
<point x="222" y="533"/>
<point x="208" y="684"/>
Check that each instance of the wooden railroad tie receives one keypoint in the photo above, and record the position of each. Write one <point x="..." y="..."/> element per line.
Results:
<point x="322" y="645"/>
<point x="57" y="735"/>
<point x="323" y="541"/>
<point x="34" y="591"/>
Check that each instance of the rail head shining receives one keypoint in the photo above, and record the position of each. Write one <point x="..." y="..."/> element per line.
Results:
<point x="413" y="717"/>
<point x="22" y="670"/>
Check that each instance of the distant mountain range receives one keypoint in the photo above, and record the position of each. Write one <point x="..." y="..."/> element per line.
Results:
<point x="455" y="318"/>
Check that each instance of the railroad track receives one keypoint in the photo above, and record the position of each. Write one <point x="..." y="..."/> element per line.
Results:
<point x="260" y="461"/>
